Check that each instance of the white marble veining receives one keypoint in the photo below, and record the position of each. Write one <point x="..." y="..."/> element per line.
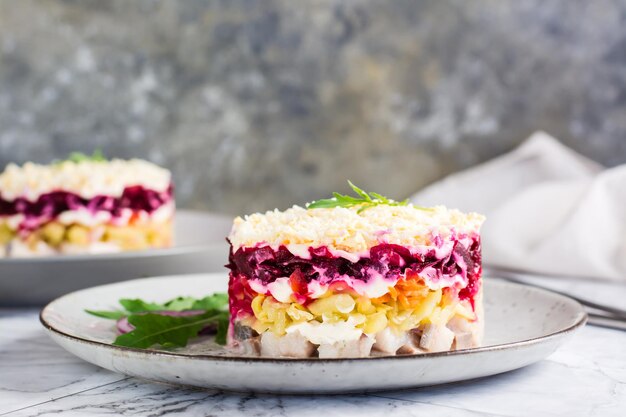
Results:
<point x="586" y="377"/>
<point x="33" y="369"/>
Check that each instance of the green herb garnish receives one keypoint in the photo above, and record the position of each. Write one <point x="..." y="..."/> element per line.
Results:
<point x="111" y="315"/>
<point x="170" y="331"/>
<point x="152" y="328"/>
<point x="364" y="199"/>
<point x="96" y="156"/>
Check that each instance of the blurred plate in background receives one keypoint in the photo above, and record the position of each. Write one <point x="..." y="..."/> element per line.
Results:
<point x="200" y="246"/>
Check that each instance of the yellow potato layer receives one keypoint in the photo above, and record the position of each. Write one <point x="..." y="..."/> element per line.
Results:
<point x="370" y="315"/>
<point x="6" y="234"/>
<point x="132" y="237"/>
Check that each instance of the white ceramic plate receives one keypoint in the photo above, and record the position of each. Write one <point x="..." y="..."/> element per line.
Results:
<point x="200" y="246"/>
<point x="523" y="325"/>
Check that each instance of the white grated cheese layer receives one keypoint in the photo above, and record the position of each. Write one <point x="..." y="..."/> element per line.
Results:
<point x="345" y="229"/>
<point x="86" y="178"/>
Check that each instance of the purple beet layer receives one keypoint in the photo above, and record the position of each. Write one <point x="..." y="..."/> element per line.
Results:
<point x="266" y="265"/>
<point x="50" y="205"/>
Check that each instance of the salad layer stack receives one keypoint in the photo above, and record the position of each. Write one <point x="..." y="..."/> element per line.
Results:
<point x="355" y="281"/>
<point x="84" y="206"/>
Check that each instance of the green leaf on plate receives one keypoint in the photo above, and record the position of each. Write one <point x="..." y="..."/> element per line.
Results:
<point x="179" y="304"/>
<point x="167" y="331"/>
<point x="112" y="315"/>
<point x="217" y="301"/>
<point x="214" y="301"/>
<point x="152" y="328"/>
<point x="136" y="305"/>
<point x="222" y="330"/>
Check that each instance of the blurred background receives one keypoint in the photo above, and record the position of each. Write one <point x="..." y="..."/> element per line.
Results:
<point x="262" y="104"/>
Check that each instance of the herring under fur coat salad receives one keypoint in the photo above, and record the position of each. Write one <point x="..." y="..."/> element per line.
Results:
<point x="354" y="276"/>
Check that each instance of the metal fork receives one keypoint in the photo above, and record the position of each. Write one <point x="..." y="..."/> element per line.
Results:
<point x="598" y="314"/>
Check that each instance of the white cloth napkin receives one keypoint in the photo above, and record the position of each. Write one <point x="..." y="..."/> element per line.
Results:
<point x="549" y="210"/>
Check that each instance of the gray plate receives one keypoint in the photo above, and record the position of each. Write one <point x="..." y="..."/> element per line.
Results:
<point x="200" y="246"/>
<point x="522" y="325"/>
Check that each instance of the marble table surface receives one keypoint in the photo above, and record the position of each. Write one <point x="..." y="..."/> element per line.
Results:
<point x="585" y="377"/>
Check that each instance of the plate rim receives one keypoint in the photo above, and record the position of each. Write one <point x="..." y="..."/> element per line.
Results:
<point x="132" y="254"/>
<point x="582" y="320"/>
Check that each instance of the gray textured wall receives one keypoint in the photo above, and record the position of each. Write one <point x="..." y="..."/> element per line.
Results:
<point x="257" y="104"/>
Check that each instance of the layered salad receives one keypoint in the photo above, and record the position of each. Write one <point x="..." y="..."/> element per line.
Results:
<point x="84" y="205"/>
<point x="354" y="277"/>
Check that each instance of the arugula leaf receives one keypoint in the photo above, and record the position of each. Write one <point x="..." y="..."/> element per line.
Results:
<point x="152" y="328"/>
<point x="166" y="331"/>
<point x="135" y="305"/>
<point x="112" y="315"/>
<point x="364" y="200"/>
<point x="217" y="301"/>
<point x="180" y="304"/>
<point x="222" y="330"/>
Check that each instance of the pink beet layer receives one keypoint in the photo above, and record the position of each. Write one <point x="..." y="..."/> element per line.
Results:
<point x="49" y="206"/>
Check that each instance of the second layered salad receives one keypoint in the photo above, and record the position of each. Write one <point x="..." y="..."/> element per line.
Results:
<point x="84" y="206"/>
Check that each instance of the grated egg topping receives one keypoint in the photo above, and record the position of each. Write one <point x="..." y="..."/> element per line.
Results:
<point x="345" y="229"/>
<point x="86" y="179"/>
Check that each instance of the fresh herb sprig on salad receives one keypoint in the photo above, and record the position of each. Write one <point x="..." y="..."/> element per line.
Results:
<point x="171" y="324"/>
<point x="363" y="200"/>
<point x="96" y="156"/>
